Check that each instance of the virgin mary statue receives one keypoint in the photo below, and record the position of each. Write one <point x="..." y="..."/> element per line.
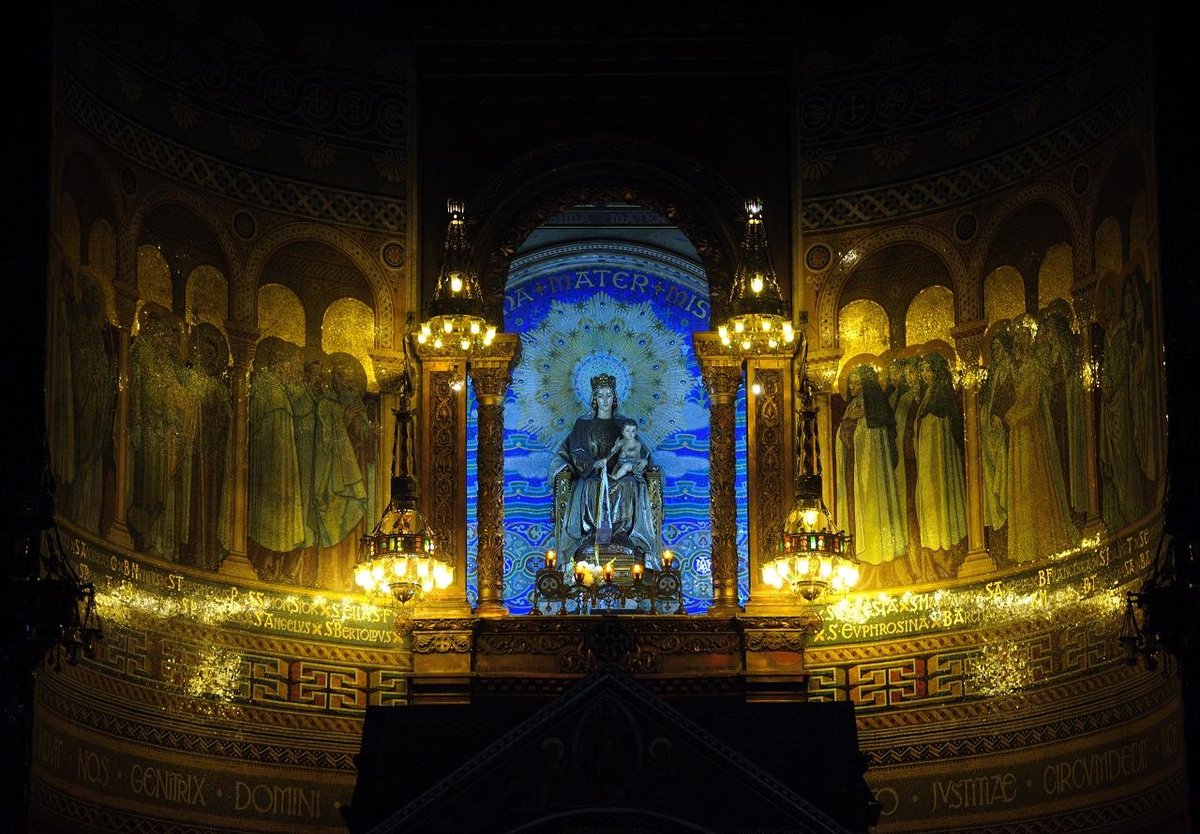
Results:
<point x="609" y="507"/>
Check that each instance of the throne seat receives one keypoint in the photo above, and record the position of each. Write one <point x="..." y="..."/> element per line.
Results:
<point x="620" y="551"/>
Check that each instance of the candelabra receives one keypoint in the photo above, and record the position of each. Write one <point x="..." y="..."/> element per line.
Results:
<point x="596" y="588"/>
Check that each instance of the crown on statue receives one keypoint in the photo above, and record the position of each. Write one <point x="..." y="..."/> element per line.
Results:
<point x="604" y="381"/>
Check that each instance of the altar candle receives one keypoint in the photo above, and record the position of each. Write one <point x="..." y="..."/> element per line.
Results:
<point x="551" y="558"/>
<point x="637" y="571"/>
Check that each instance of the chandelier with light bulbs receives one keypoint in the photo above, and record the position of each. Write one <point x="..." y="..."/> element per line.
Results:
<point x="399" y="558"/>
<point x="757" y="322"/>
<point x="456" y="320"/>
<point x="814" y="556"/>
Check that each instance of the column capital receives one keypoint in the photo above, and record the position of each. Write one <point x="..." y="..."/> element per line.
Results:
<point x="491" y="382"/>
<point x="968" y="340"/>
<point x="722" y="382"/>
<point x="823" y="369"/>
<point x="242" y="343"/>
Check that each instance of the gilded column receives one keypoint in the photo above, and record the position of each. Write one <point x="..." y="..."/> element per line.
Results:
<point x="771" y="461"/>
<point x="442" y="467"/>
<point x="722" y="376"/>
<point x="242" y="343"/>
<point x="491" y="374"/>
<point x="126" y="304"/>
<point x="968" y="342"/>
<point x="1084" y="295"/>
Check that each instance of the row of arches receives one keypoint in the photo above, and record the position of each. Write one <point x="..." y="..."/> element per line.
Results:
<point x="1034" y="247"/>
<point x="173" y="250"/>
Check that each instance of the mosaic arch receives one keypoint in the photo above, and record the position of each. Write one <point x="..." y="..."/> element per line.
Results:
<point x="582" y="309"/>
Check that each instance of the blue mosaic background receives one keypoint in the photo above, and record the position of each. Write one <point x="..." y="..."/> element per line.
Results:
<point x="581" y="310"/>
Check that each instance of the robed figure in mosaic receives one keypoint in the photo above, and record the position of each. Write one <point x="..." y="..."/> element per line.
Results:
<point x="1120" y="472"/>
<point x="206" y="540"/>
<point x="941" y="482"/>
<point x="93" y="403"/>
<point x="339" y="487"/>
<point x="868" y="503"/>
<point x="1039" y="517"/>
<point x="610" y="501"/>
<point x="276" y="518"/>
<point x="162" y="428"/>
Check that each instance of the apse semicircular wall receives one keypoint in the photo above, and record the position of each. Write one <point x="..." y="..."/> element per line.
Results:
<point x="209" y="266"/>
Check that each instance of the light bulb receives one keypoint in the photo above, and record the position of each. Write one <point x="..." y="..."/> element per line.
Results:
<point x="362" y="578"/>
<point x="447" y="325"/>
<point x="455" y="283"/>
<point x="745" y="344"/>
<point x="756" y="388"/>
<point x="766" y="325"/>
<point x="770" y="576"/>
<point x="852" y="576"/>
<point x="475" y="329"/>
<point x="810" y="519"/>
<point x="490" y="334"/>
<point x="425" y="329"/>
<point x="739" y="326"/>
<point x="465" y="344"/>
<point x="377" y="572"/>
<point x="756" y="284"/>
<point x="788" y="332"/>
<point x="723" y="332"/>
<point x="422" y="338"/>
<point x="437" y="343"/>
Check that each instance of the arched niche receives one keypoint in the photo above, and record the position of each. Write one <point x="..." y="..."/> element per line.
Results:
<point x="154" y="276"/>
<point x="1022" y="242"/>
<point x="535" y="187"/>
<point x="1122" y="183"/>
<point x="863" y="327"/>
<point x="348" y="326"/>
<point x="280" y="314"/>
<point x="1003" y="294"/>
<point x="208" y="295"/>
<point x="102" y="260"/>
<point x="1055" y="275"/>
<point x="185" y="242"/>
<point x="90" y="201"/>
<point x="318" y="275"/>
<point x="930" y="316"/>
<point x="892" y="277"/>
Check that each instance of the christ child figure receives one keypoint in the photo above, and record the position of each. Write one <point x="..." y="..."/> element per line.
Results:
<point x="628" y="450"/>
